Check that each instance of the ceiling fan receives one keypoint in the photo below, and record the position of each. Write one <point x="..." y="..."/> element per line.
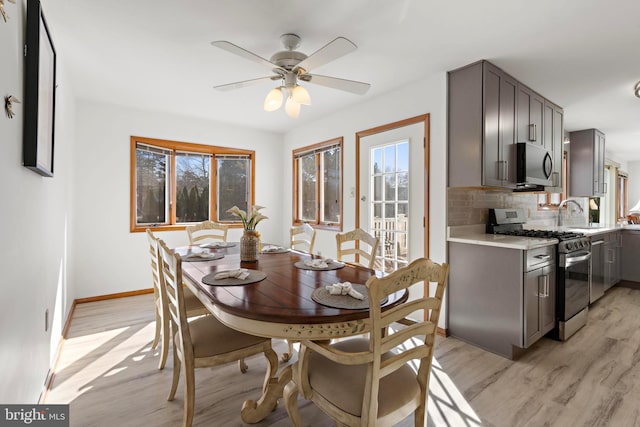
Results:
<point x="291" y="67"/>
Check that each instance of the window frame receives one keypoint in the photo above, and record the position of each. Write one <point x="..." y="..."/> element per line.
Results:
<point x="318" y="149"/>
<point x="179" y="146"/>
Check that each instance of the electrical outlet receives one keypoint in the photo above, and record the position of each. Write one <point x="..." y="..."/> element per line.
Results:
<point x="46" y="320"/>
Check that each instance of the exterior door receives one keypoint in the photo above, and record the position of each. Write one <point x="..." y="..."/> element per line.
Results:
<point x="391" y="193"/>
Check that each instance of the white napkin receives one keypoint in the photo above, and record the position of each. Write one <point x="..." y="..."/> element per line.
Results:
<point x="203" y="255"/>
<point x="316" y="263"/>
<point x="344" y="288"/>
<point x="210" y="245"/>
<point x="241" y="273"/>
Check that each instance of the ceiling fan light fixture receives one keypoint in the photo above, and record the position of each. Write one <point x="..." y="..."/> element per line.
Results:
<point x="637" y="89"/>
<point x="292" y="108"/>
<point x="301" y="95"/>
<point x="273" y="101"/>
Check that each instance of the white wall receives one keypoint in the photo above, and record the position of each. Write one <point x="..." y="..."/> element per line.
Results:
<point x="633" y="168"/>
<point x="110" y="259"/>
<point x="425" y="96"/>
<point x="36" y="218"/>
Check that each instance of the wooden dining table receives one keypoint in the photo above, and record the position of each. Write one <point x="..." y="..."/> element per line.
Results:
<point x="279" y="306"/>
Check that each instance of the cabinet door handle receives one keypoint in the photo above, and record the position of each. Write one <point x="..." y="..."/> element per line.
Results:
<point x="543" y="257"/>
<point x="543" y="283"/>
<point x="532" y="132"/>
<point x="503" y="170"/>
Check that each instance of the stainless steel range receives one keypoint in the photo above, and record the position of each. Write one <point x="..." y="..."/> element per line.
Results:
<point x="573" y="274"/>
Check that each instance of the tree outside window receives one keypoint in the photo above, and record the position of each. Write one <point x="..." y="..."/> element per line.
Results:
<point x="172" y="183"/>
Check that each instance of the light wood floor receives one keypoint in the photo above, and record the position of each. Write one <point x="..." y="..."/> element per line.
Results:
<point x="109" y="376"/>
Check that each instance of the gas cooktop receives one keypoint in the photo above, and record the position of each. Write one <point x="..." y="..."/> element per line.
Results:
<point x="541" y="234"/>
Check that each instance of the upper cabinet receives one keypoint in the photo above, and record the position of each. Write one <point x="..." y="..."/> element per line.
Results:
<point x="586" y="163"/>
<point x="553" y="140"/>
<point x="488" y="113"/>
<point x="530" y="115"/>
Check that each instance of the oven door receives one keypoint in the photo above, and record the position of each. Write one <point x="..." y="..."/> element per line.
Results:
<point x="573" y="283"/>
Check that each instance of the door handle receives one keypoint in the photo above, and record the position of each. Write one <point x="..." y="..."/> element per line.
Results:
<point x="363" y="198"/>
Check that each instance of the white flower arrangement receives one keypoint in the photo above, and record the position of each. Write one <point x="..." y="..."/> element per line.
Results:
<point x="249" y="222"/>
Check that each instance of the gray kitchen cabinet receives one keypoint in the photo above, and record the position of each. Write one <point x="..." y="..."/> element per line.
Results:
<point x="596" y="288"/>
<point x="530" y="112"/>
<point x="630" y="255"/>
<point x="611" y="259"/>
<point x="539" y="303"/>
<point x="481" y="126"/>
<point x="498" y="300"/>
<point x="488" y="113"/>
<point x="587" y="163"/>
<point x="553" y="140"/>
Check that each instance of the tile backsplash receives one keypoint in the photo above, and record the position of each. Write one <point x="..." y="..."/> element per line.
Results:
<point x="469" y="206"/>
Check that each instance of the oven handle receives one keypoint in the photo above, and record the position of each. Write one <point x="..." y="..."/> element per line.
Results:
<point x="578" y="257"/>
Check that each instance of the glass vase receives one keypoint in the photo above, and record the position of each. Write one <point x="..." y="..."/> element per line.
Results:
<point x="249" y="246"/>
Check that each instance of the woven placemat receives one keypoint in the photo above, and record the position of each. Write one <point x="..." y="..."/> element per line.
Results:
<point x="331" y="265"/>
<point x="201" y="256"/>
<point x="254" y="276"/>
<point x="217" y="245"/>
<point x="274" y="250"/>
<point x="322" y="296"/>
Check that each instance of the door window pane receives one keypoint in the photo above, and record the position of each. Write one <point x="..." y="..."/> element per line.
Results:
<point x="233" y="186"/>
<point x="151" y="187"/>
<point x="192" y="187"/>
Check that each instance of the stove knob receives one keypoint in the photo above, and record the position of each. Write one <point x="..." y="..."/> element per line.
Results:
<point x="570" y="246"/>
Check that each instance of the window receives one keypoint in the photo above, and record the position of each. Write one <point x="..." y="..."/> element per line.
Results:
<point x="176" y="183"/>
<point x="317" y="182"/>
<point x="622" y="196"/>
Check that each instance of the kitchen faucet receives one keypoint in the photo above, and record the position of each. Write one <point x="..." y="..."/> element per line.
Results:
<point x="562" y="203"/>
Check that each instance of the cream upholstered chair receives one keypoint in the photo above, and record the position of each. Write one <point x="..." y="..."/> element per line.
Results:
<point x="206" y="231"/>
<point x="203" y="342"/>
<point x="349" y="244"/>
<point x="302" y="237"/>
<point x="193" y="305"/>
<point x="370" y="382"/>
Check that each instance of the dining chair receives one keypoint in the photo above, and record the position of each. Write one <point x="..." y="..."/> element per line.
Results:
<point x="206" y="231"/>
<point x="193" y="305"/>
<point x="349" y="243"/>
<point x="302" y="237"/>
<point x="203" y="342"/>
<point x="371" y="382"/>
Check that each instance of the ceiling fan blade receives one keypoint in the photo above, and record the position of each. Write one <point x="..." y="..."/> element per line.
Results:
<point x="230" y="47"/>
<point x="332" y="50"/>
<point x="245" y="83"/>
<point x="352" y="86"/>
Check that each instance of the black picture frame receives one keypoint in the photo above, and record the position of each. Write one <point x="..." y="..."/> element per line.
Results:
<point x="40" y="93"/>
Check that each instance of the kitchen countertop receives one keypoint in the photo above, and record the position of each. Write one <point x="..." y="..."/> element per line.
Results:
<point x="476" y="235"/>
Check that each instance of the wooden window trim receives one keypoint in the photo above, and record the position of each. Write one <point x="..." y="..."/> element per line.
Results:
<point x="192" y="148"/>
<point x="317" y="224"/>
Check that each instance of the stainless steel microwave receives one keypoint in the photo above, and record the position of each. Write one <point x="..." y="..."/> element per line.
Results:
<point x="534" y="165"/>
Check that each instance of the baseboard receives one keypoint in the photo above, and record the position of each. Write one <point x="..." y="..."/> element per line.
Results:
<point x="442" y="332"/>
<point x="48" y="382"/>
<point x="114" y="296"/>
<point x="52" y="371"/>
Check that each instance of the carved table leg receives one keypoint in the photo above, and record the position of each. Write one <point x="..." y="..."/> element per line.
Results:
<point x="253" y="412"/>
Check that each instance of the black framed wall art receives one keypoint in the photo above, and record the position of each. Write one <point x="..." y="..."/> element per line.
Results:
<point x="40" y="93"/>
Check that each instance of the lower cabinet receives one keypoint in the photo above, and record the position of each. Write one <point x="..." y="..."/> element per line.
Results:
<point x="501" y="299"/>
<point x="612" y="252"/>
<point x="630" y="252"/>
<point x="539" y="303"/>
